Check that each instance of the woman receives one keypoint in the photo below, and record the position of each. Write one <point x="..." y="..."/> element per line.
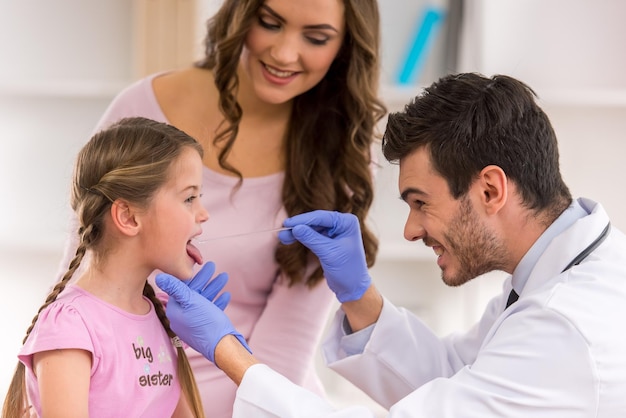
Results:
<point x="285" y="105"/>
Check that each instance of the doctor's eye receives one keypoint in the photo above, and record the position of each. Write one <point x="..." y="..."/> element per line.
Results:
<point x="418" y="204"/>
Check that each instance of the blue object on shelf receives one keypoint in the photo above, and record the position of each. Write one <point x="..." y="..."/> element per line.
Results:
<point x="426" y="31"/>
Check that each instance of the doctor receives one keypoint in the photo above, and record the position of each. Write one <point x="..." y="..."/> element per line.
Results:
<point x="479" y="170"/>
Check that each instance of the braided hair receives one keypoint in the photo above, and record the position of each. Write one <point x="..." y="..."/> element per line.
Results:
<point x="130" y="161"/>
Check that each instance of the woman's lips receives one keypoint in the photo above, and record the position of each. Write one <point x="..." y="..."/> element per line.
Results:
<point x="278" y="73"/>
<point x="276" y="76"/>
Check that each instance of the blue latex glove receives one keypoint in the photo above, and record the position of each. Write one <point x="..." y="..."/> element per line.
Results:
<point x="195" y="318"/>
<point x="208" y="288"/>
<point x="336" y="240"/>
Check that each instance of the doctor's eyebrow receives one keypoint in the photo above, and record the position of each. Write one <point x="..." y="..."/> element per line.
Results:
<point x="412" y="190"/>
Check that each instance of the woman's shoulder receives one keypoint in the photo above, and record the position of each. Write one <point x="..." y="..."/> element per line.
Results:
<point x="188" y="99"/>
<point x="183" y="86"/>
<point x="137" y="99"/>
<point x="183" y="79"/>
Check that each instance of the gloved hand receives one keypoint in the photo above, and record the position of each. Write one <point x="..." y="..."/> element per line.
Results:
<point x="194" y="317"/>
<point x="208" y="288"/>
<point x="336" y="240"/>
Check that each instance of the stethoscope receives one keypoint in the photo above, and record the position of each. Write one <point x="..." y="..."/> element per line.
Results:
<point x="595" y="244"/>
<point x="513" y="296"/>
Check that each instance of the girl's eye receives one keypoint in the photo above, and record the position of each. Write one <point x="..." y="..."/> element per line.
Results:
<point x="190" y="199"/>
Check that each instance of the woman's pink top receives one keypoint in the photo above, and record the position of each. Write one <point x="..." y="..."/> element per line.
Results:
<point x="283" y="325"/>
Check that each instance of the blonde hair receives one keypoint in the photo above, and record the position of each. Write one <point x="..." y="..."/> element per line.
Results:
<point x="130" y="161"/>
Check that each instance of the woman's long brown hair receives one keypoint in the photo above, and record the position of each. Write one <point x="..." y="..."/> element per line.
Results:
<point x="332" y="128"/>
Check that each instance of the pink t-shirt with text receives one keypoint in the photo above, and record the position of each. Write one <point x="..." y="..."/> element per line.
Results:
<point x="133" y="372"/>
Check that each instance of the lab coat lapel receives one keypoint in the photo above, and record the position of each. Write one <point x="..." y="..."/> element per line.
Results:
<point x="566" y="246"/>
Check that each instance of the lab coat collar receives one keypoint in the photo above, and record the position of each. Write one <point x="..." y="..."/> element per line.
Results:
<point x="570" y="215"/>
<point x="558" y="246"/>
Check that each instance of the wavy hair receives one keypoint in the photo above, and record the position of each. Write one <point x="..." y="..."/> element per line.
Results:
<point x="130" y="161"/>
<point x="468" y="121"/>
<point x="331" y="171"/>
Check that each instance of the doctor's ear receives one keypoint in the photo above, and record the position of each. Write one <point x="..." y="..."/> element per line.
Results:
<point x="124" y="217"/>
<point x="493" y="184"/>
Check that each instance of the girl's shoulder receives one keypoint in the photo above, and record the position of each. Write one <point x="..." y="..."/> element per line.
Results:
<point x="59" y="325"/>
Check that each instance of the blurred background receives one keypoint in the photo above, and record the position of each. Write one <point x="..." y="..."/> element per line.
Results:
<point x="62" y="61"/>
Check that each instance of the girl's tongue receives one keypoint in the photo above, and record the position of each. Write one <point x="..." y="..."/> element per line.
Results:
<point x="194" y="253"/>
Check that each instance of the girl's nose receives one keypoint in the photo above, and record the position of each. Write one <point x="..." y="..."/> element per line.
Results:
<point x="203" y="215"/>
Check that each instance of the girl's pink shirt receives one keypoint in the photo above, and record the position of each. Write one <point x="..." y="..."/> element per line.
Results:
<point x="133" y="370"/>
<point x="283" y="325"/>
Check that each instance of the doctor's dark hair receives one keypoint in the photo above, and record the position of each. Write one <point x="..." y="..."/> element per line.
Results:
<point x="332" y="127"/>
<point x="468" y="121"/>
<point x="130" y="160"/>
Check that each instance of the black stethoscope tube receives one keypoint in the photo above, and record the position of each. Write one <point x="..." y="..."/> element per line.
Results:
<point x="584" y="253"/>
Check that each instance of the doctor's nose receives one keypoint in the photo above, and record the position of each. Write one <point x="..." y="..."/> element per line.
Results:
<point x="413" y="229"/>
<point x="285" y="49"/>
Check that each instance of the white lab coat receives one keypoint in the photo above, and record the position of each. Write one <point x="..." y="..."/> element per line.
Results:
<point x="559" y="351"/>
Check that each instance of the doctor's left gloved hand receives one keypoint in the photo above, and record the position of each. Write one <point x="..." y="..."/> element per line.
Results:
<point x="193" y="316"/>
<point x="336" y="240"/>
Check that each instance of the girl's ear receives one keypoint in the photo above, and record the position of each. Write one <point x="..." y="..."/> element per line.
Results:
<point x="494" y="187"/>
<point x="124" y="217"/>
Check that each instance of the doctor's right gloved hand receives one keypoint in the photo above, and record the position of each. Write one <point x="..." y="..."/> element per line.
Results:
<point x="336" y="240"/>
<point x="193" y="316"/>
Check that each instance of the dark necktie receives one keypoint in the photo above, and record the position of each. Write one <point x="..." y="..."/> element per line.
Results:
<point x="513" y="296"/>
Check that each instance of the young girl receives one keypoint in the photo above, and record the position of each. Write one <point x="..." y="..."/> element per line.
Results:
<point x="102" y="346"/>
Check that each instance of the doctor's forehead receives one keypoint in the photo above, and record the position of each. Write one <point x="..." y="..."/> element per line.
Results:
<point x="417" y="176"/>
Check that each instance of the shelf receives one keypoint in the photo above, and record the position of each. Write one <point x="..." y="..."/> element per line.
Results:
<point x="583" y="97"/>
<point x="81" y="89"/>
<point x="396" y="96"/>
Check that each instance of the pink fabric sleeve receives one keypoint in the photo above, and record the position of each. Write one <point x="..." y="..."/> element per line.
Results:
<point x="59" y="327"/>
<point x="135" y="100"/>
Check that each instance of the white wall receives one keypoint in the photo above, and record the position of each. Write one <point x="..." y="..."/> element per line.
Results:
<point x="62" y="62"/>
